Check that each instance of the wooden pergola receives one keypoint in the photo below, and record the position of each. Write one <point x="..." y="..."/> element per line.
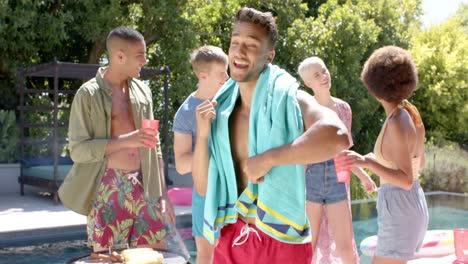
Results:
<point x="66" y="70"/>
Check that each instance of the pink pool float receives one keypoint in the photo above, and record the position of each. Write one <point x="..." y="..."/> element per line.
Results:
<point x="435" y="243"/>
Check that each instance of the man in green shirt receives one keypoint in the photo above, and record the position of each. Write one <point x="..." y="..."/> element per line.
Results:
<point x="117" y="179"/>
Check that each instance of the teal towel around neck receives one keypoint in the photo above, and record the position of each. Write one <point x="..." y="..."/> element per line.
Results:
<point x="278" y="203"/>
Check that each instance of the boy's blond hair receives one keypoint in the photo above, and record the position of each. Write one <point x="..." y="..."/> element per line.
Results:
<point x="202" y="58"/>
<point x="305" y="65"/>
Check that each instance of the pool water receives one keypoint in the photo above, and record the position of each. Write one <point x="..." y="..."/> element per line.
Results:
<point x="446" y="211"/>
<point x="54" y="253"/>
<point x="61" y="252"/>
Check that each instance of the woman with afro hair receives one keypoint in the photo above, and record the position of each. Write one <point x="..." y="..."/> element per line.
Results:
<point x="391" y="77"/>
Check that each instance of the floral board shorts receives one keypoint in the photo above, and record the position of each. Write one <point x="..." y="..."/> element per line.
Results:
<point x="122" y="216"/>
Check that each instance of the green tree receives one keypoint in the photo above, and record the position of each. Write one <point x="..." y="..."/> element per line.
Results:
<point x="76" y="30"/>
<point x="34" y="32"/>
<point x="9" y="137"/>
<point x="213" y="23"/>
<point x="440" y="53"/>
<point x="344" y="35"/>
<point x="343" y="32"/>
<point x="23" y="40"/>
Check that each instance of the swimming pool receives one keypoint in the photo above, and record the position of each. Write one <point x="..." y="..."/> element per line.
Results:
<point x="446" y="211"/>
<point x="61" y="252"/>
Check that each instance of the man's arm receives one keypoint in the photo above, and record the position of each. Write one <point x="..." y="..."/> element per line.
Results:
<point x="140" y="138"/>
<point x="183" y="152"/>
<point x="85" y="148"/>
<point x="200" y="163"/>
<point x="324" y="137"/>
<point x="205" y="114"/>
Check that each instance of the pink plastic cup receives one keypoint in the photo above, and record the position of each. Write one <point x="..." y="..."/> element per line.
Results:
<point x="343" y="174"/>
<point x="460" y="238"/>
<point x="148" y="123"/>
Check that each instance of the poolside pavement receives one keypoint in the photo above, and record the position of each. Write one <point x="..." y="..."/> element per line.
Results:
<point x="34" y="218"/>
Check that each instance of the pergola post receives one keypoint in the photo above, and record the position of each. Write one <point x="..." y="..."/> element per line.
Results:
<point x="165" y="127"/>
<point x="55" y="132"/>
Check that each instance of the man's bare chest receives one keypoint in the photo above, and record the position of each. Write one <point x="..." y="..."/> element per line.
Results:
<point x="122" y="118"/>
<point x="239" y="136"/>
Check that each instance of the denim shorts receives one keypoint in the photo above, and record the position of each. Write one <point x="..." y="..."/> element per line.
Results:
<point x="402" y="219"/>
<point x="322" y="186"/>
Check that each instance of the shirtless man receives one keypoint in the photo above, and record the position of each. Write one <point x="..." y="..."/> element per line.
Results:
<point x="251" y="50"/>
<point x="116" y="179"/>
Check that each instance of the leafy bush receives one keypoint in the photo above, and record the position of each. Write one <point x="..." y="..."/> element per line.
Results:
<point x="357" y="190"/>
<point x="446" y="169"/>
<point x="8" y="137"/>
<point x="441" y="53"/>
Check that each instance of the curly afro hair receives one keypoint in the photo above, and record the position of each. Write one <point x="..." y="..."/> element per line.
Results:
<point x="390" y="74"/>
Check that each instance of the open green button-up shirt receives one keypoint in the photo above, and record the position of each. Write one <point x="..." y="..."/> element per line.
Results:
<point x="89" y="131"/>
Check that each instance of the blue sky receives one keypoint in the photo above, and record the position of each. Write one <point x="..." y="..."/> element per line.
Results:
<point x="436" y="11"/>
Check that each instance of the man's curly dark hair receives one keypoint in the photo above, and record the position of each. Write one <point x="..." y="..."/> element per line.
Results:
<point x="263" y="19"/>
